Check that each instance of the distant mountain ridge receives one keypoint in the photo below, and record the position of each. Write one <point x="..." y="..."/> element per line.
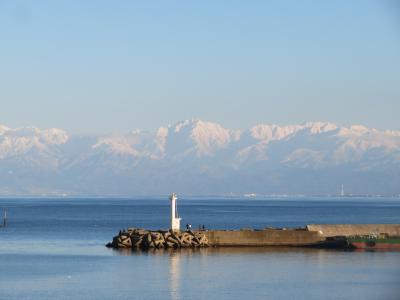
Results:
<point x="199" y="157"/>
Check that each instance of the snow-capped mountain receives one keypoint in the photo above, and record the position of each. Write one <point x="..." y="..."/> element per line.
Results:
<point x="199" y="157"/>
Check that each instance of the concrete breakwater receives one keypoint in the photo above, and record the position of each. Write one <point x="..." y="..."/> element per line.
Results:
<point x="311" y="235"/>
<point x="264" y="237"/>
<point x="331" y="230"/>
<point x="146" y="239"/>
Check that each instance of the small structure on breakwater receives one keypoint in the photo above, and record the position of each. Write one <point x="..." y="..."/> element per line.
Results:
<point x="309" y="236"/>
<point x="175" y="220"/>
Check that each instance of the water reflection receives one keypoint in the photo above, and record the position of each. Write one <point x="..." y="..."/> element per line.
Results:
<point x="185" y="252"/>
<point x="188" y="252"/>
<point x="174" y="274"/>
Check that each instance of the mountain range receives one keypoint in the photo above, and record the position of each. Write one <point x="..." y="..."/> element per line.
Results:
<point x="202" y="158"/>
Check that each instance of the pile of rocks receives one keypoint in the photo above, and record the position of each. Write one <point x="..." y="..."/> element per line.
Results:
<point x="146" y="239"/>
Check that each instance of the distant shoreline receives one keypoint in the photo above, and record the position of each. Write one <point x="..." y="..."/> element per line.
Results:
<point x="189" y="197"/>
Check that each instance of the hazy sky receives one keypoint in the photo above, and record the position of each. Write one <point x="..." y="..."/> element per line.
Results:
<point x="101" y="66"/>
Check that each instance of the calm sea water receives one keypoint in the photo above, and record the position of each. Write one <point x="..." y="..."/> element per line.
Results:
<point x="54" y="249"/>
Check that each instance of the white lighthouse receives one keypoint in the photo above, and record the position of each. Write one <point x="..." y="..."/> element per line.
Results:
<point x="175" y="220"/>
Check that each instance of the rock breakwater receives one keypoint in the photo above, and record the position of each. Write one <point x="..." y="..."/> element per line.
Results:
<point x="137" y="238"/>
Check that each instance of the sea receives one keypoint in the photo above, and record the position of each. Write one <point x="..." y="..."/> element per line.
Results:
<point x="55" y="249"/>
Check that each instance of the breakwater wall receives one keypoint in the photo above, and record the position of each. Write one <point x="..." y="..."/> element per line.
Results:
<point x="331" y="230"/>
<point x="146" y="239"/>
<point x="311" y="235"/>
<point x="265" y="237"/>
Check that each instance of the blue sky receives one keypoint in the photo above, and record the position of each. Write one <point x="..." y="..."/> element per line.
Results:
<point x="102" y="66"/>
